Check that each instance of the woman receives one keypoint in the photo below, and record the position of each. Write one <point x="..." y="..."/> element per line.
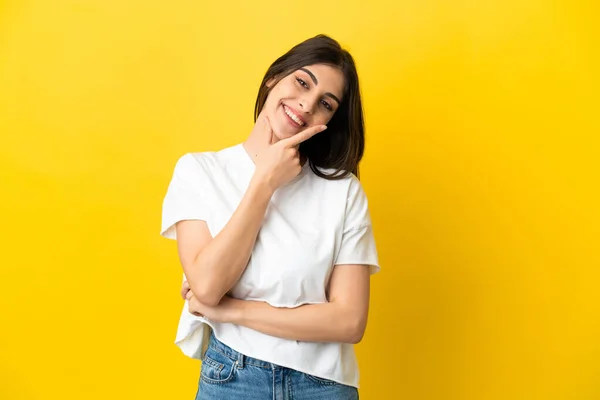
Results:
<point x="275" y="239"/>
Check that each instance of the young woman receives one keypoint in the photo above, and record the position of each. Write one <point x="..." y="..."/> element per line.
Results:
<point x="275" y="239"/>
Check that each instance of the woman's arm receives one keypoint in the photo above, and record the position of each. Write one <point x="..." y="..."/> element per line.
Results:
<point x="213" y="265"/>
<point x="342" y="319"/>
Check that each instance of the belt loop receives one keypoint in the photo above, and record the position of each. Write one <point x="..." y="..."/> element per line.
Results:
<point x="240" y="360"/>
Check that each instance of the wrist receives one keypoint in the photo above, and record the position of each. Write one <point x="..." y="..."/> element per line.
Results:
<point x="239" y="312"/>
<point x="261" y="185"/>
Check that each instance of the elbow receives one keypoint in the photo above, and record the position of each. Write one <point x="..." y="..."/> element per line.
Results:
<point x="356" y="337"/>
<point x="208" y="299"/>
<point x="205" y="289"/>
<point x="207" y="295"/>
<point x="355" y="330"/>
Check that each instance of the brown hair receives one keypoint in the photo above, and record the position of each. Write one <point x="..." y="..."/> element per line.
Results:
<point x="342" y="146"/>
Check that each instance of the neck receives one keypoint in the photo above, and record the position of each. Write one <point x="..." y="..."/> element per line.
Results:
<point x="255" y="145"/>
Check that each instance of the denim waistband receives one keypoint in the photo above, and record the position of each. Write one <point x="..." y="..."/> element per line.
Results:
<point x="241" y="359"/>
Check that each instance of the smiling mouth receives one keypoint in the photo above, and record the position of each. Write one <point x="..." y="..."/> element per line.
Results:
<point x="293" y="116"/>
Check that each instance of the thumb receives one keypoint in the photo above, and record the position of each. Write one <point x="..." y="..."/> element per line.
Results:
<point x="263" y="128"/>
<point x="270" y="135"/>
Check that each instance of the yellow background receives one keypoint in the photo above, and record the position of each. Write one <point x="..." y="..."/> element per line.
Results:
<point x="482" y="170"/>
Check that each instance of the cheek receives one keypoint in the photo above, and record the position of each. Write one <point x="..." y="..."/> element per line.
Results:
<point x="275" y="96"/>
<point x="324" y="118"/>
<point x="285" y="90"/>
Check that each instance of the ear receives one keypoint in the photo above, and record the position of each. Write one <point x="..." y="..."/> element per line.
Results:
<point x="271" y="82"/>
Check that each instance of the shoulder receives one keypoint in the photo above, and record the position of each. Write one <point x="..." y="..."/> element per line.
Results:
<point x="190" y="166"/>
<point x="194" y="163"/>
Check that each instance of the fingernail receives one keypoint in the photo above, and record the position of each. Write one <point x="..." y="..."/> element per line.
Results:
<point x="323" y="127"/>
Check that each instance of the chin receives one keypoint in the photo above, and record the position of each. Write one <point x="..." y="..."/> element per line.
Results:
<point x="282" y="131"/>
<point x="283" y="136"/>
<point x="279" y="136"/>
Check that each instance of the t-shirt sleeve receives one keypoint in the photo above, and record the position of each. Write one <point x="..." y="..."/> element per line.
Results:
<point x="184" y="197"/>
<point x="358" y="241"/>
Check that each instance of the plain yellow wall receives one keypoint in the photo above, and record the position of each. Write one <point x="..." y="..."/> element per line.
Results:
<point x="482" y="170"/>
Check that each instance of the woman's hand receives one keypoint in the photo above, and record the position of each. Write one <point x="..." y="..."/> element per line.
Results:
<point x="279" y="162"/>
<point x="227" y="310"/>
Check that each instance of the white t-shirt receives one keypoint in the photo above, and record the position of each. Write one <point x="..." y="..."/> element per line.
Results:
<point x="311" y="224"/>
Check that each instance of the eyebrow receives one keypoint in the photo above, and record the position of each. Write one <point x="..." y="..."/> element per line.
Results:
<point x="316" y="82"/>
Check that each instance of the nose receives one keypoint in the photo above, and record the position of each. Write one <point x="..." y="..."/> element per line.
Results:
<point x="307" y="104"/>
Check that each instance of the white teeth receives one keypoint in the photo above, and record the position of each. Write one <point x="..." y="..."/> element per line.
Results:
<point x="293" y="116"/>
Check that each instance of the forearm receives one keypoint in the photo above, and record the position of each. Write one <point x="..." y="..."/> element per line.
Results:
<point x="327" y="322"/>
<point x="221" y="262"/>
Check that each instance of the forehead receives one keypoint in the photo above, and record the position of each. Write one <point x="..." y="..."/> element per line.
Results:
<point x="331" y="79"/>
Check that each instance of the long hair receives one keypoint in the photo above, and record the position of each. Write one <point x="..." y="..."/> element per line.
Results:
<point x="342" y="146"/>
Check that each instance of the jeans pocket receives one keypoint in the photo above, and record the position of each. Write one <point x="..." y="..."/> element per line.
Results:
<point x="217" y="367"/>
<point x="322" y="381"/>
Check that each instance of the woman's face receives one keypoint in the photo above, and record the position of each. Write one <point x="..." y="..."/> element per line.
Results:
<point x="308" y="96"/>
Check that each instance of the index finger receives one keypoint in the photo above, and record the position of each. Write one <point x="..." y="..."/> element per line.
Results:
<point x="304" y="135"/>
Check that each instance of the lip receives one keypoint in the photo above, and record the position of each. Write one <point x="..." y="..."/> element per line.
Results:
<point x="292" y="109"/>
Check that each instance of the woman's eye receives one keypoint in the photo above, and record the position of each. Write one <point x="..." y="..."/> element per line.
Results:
<point x="300" y="81"/>
<point x="326" y="104"/>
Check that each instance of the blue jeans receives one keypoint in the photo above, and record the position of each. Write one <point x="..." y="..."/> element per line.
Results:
<point x="227" y="374"/>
